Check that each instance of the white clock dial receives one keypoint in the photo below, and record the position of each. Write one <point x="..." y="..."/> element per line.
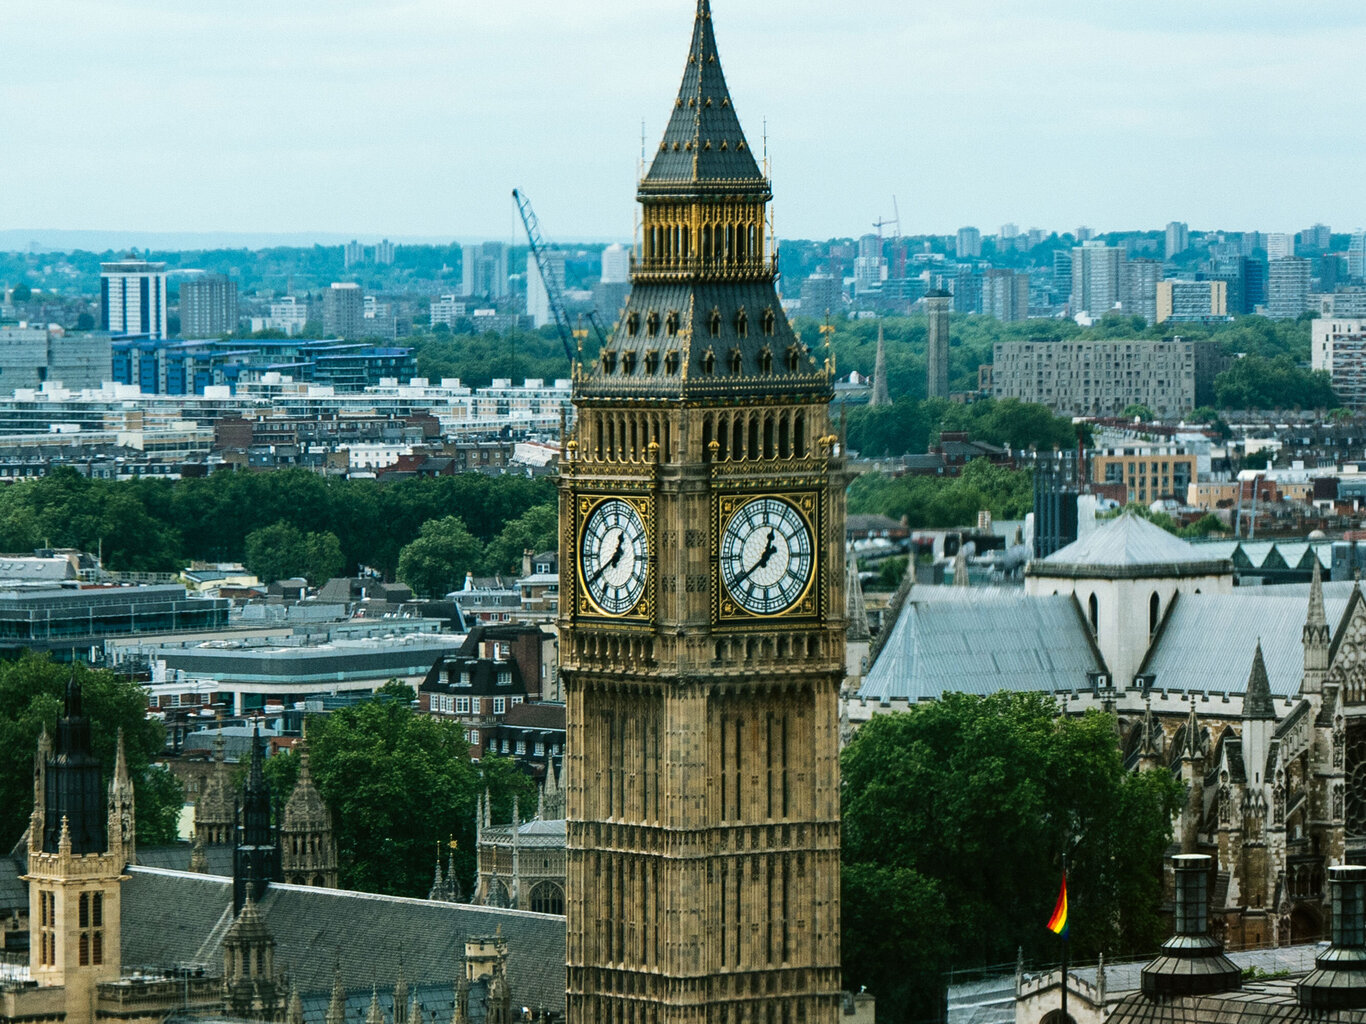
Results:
<point x="767" y="556"/>
<point x="614" y="556"/>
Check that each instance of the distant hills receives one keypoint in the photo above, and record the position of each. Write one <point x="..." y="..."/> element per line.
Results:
<point x="66" y="240"/>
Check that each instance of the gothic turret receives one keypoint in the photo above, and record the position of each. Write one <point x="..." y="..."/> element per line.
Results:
<point x="215" y="812"/>
<point x="122" y="822"/>
<point x="256" y="861"/>
<point x="251" y="986"/>
<point x="1317" y="636"/>
<point x="73" y="789"/>
<point x="308" y="847"/>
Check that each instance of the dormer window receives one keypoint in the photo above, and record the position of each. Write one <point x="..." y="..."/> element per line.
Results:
<point x="765" y="360"/>
<point x="609" y="361"/>
<point x="652" y="324"/>
<point x="737" y="361"/>
<point x="633" y="324"/>
<point x="671" y="323"/>
<point x="652" y="362"/>
<point x="714" y="323"/>
<point x="671" y="363"/>
<point x="794" y="357"/>
<point x="628" y="363"/>
<point x="742" y="324"/>
<point x="769" y="321"/>
<point x="709" y="361"/>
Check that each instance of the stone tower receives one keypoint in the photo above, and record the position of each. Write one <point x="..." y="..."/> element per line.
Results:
<point x="252" y="988"/>
<point x="880" y="395"/>
<point x="702" y="614"/>
<point x="937" y="345"/>
<point x="256" y="861"/>
<point x="308" y="849"/>
<point x="215" y="812"/>
<point x="80" y="839"/>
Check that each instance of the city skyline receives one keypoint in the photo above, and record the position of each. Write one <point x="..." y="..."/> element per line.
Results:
<point x="417" y="121"/>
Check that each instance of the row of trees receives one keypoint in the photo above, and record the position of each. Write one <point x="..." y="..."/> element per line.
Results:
<point x="955" y="818"/>
<point x="912" y="425"/>
<point x="929" y="501"/>
<point x="285" y="523"/>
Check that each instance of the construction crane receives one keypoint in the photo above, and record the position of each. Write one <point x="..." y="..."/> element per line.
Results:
<point x="570" y="337"/>
<point x="898" y="246"/>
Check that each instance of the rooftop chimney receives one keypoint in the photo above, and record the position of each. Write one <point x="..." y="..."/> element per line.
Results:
<point x="1338" y="981"/>
<point x="1191" y="963"/>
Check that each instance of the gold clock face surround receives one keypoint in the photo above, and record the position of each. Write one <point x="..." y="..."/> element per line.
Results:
<point x="767" y="555"/>
<point x="614" y="556"/>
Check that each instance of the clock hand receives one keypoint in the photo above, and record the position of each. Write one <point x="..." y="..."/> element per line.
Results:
<point x="611" y="563"/>
<point x="770" y="549"/>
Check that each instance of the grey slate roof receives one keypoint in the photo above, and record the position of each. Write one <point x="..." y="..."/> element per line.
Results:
<point x="1125" y="544"/>
<point x="703" y="118"/>
<point x="173" y="917"/>
<point x="1185" y="660"/>
<point x="176" y="857"/>
<point x="980" y="641"/>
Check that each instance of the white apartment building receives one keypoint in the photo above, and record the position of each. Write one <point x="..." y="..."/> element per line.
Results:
<point x="1338" y="346"/>
<point x="537" y="295"/>
<point x="133" y="298"/>
<point x="448" y="309"/>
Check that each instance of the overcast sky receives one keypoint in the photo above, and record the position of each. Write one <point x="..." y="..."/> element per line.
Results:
<point x="418" y="117"/>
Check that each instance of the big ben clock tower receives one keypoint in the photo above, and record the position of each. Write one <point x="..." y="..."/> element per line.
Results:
<point x="702" y="615"/>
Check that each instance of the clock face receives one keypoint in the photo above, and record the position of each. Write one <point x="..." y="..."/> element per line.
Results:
<point x="767" y="555"/>
<point x="614" y="556"/>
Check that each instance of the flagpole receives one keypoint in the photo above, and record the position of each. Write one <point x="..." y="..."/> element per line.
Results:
<point x="1065" y="942"/>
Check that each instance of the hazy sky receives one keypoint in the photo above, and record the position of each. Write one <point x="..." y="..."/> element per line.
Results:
<point x="418" y="117"/>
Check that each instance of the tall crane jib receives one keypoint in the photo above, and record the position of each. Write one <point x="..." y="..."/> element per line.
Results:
<point x="568" y="336"/>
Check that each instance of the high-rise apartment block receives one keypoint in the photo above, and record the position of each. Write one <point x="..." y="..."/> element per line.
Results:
<point x="208" y="306"/>
<point x="616" y="264"/>
<point x="353" y="254"/>
<point x="969" y="243"/>
<point x="822" y="294"/>
<point x="967" y="291"/>
<point x="384" y="253"/>
<point x="447" y="310"/>
<point x="33" y="356"/>
<point x="1178" y="238"/>
<point x="288" y="314"/>
<point x="1316" y="239"/>
<point x="1280" y="245"/>
<point x="343" y="310"/>
<point x="1104" y="377"/>
<point x="1005" y="295"/>
<point x="1356" y="256"/>
<point x="1138" y="287"/>
<point x="1096" y="278"/>
<point x="937" y="345"/>
<point x="1338" y="346"/>
<point x="1062" y="274"/>
<point x="484" y="270"/>
<point x="133" y="298"/>
<point x="537" y="293"/>
<point x="1191" y="301"/>
<point x="1287" y="287"/>
<point x="870" y="267"/>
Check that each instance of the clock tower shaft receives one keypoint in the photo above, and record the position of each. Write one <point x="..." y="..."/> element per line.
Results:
<point x="702" y="749"/>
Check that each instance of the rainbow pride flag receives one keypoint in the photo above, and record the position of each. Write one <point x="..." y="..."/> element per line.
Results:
<point x="1058" y="922"/>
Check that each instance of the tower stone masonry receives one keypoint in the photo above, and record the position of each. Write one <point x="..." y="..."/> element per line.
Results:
<point x="702" y="614"/>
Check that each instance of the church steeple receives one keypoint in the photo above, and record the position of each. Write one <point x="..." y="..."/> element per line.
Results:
<point x="1317" y="636"/>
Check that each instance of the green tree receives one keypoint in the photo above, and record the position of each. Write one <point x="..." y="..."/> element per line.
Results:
<point x="1256" y="382"/>
<point x="535" y="530"/>
<point x="281" y="551"/>
<point x="1139" y="411"/>
<point x="436" y="562"/>
<point x="22" y="292"/>
<point x="931" y="799"/>
<point x="32" y="693"/>
<point x="400" y="786"/>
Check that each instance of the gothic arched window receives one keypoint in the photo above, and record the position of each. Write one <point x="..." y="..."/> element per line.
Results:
<point x="1094" y="608"/>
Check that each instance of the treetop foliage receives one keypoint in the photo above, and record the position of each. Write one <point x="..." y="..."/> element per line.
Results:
<point x="401" y="787"/>
<point x="159" y="525"/>
<point x="955" y="818"/>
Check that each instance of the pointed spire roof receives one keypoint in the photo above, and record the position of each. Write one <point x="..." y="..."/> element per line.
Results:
<point x="703" y="144"/>
<point x="1258" y="703"/>
<point x="1317" y="617"/>
<point x="374" y="1015"/>
<point x="880" y="395"/>
<point x="305" y="810"/>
